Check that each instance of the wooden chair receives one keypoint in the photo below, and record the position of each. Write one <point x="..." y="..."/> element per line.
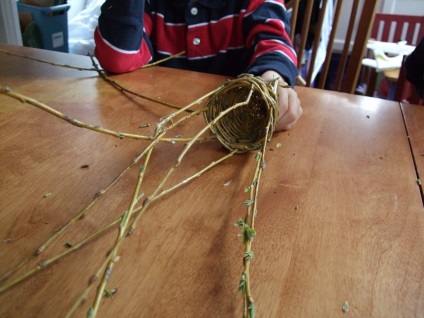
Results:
<point x="349" y="65"/>
<point x="393" y="28"/>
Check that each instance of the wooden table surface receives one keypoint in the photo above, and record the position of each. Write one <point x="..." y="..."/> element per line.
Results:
<point x="340" y="216"/>
<point x="414" y="119"/>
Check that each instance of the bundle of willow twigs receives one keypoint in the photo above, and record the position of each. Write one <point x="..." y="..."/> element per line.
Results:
<point x="241" y="113"/>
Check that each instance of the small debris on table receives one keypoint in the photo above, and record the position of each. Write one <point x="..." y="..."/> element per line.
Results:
<point x="85" y="166"/>
<point x="47" y="194"/>
<point x="226" y="184"/>
<point x="7" y="240"/>
<point x="345" y="306"/>
<point x="110" y="293"/>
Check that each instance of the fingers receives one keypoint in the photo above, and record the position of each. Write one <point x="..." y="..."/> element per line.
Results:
<point x="288" y="104"/>
<point x="289" y="108"/>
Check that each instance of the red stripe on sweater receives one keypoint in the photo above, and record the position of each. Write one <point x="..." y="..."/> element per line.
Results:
<point x="272" y="46"/>
<point x="214" y="37"/>
<point x="118" y="62"/>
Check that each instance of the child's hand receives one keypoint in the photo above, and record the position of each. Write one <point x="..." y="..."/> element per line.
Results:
<point x="288" y="103"/>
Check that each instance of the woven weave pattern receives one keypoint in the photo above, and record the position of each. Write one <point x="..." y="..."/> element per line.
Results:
<point x="252" y="108"/>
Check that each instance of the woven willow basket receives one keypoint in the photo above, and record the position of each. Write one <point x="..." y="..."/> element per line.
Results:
<point x="243" y="112"/>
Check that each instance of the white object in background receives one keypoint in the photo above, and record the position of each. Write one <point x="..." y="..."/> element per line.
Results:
<point x="76" y="7"/>
<point x="325" y="36"/>
<point x="10" y="31"/>
<point x="390" y="47"/>
<point x="383" y="62"/>
<point x="81" y="28"/>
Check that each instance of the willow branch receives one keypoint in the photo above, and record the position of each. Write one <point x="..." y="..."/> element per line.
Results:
<point x="55" y="258"/>
<point x="123" y="228"/>
<point x="126" y="90"/>
<point x="84" y="295"/>
<point x="82" y="68"/>
<point x="24" y="99"/>
<point x="47" y="62"/>
<point x="162" y="60"/>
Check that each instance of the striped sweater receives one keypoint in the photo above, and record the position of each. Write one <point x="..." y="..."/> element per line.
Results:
<point x="220" y="37"/>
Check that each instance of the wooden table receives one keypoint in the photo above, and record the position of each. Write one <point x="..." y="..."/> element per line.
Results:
<point x="340" y="216"/>
<point x="414" y="119"/>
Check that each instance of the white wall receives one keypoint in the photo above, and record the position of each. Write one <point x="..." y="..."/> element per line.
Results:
<point x="408" y="7"/>
<point x="10" y="32"/>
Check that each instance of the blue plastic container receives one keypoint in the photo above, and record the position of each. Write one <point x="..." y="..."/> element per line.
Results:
<point x="52" y="23"/>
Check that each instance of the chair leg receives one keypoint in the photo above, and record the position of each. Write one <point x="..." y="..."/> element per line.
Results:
<point x="371" y="82"/>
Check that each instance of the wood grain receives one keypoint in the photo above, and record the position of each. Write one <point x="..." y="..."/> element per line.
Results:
<point x="340" y="215"/>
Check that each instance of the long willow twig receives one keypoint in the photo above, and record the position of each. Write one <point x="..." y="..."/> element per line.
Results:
<point x="126" y="90"/>
<point x="264" y="98"/>
<point x="55" y="258"/>
<point x="24" y="99"/>
<point x="83" y="68"/>
<point x="162" y="60"/>
<point x="121" y="135"/>
<point x="47" y="62"/>
<point x="102" y="74"/>
<point x="249" y="232"/>
<point x="119" y="239"/>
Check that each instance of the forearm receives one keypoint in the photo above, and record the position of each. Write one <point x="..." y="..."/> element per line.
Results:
<point x="121" y="45"/>
<point x="266" y="29"/>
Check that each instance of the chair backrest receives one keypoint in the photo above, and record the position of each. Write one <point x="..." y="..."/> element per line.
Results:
<point x="349" y="65"/>
<point x="395" y="28"/>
